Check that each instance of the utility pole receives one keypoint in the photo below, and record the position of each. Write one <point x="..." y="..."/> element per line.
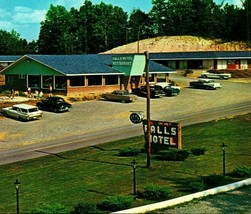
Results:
<point x="148" y="143"/>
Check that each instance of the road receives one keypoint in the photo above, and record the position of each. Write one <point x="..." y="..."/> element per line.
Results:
<point x="92" y="123"/>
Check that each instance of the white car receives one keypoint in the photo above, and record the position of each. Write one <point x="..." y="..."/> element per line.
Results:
<point x="215" y="74"/>
<point x="205" y="84"/>
<point x="165" y="84"/>
<point x="23" y="112"/>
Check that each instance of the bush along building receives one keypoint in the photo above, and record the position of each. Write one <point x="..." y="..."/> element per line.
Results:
<point x="81" y="74"/>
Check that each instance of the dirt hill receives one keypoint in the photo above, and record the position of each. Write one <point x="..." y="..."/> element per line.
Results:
<point x="179" y="44"/>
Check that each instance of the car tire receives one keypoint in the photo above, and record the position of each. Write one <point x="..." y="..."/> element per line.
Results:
<point x="123" y="101"/>
<point x="55" y="110"/>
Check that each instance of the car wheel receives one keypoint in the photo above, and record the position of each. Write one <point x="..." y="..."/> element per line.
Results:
<point x="123" y="101"/>
<point x="105" y="98"/>
<point x="55" y="110"/>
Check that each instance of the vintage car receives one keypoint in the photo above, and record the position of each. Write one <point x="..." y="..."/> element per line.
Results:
<point x="142" y="92"/>
<point x="168" y="84"/>
<point x="23" y="112"/>
<point x="205" y="84"/>
<point x="215" y="74"/>
<point x="119" y="95"/>
<point x="55" y="104"/>
<point x="168" y="91"/>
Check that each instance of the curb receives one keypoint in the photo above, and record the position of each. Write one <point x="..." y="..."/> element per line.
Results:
<point x="187" y="198"/>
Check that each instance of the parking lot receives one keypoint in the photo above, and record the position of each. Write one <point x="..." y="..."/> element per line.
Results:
<point x="93" y="116"/>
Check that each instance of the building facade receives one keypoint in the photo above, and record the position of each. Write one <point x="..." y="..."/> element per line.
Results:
<point x="77" y="74"/>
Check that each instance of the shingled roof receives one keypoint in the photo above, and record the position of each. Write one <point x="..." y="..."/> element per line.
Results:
<point x="75" y="64"/>
<point x="201" y="55"/>
<point x="91" y="64"/>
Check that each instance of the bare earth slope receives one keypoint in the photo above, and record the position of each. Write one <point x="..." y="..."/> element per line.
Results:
<point x="179" y="44"/>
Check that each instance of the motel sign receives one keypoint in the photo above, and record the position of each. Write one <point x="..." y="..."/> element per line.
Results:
<point x="163" y="134"/>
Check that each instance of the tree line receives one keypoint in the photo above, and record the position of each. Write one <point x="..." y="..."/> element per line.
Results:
<point x="95" y="28"/>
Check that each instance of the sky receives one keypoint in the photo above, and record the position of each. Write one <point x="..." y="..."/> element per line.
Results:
<point x="25" y="16"/>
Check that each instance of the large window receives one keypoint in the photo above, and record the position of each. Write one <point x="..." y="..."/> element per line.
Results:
<point x="60" y="82"/>
<point x="77" y="81"/>
<point x="111" y="80"/>
<point x="34" y="81"/>
<point x="94" y="80"/>
<point x="47" y="81"/>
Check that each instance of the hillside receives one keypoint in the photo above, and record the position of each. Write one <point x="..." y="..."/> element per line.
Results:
<point x="179" y="44"/>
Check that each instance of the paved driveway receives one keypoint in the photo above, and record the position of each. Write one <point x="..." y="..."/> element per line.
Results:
<point x="93" y="116"/>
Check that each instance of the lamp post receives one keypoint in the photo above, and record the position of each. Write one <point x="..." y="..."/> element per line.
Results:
<point x="17" y="183"/>
<point x="134" y="176"/>
<point x="223" y="146"/>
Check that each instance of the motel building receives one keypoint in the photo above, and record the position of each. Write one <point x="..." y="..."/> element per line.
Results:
<point x="217" y="60"/>
<point x="71" y="74"/>
<point x="100" y="73"/>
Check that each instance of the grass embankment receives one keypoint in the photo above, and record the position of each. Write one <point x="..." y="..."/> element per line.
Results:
<point x="92" y="173"/>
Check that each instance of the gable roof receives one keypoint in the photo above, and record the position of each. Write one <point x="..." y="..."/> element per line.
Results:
<point x="91" y="64"/>
<point x="8" y="58"/>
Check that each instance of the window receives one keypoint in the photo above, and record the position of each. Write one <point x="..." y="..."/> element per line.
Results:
<point x="60" y="82"/>
<point x="161" y="77"/>
<point x="34" y="81"/>
<point x="47" y="81"/>
<point x="111" y="80"/>
<point x="77" y="81"/>
<point x="151" y="77"/>
<point x="21" y="77"/>
<point x="94" y="80"/>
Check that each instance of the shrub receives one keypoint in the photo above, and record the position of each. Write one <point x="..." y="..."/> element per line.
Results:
<point x="129" y="151"/>
<point x="155" y="192"/>
<point x="198" y="151"/>
<point x="241" y="172"/>
<point x="115" y="203"/>
<point x="50" y="209"/>
<point x="172" y="155"/>
<point x="196" y="186"/>
<point x="214" y="180"/>
<point x="85" y="208"/>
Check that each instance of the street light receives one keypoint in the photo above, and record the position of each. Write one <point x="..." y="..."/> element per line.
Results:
<point x="17" y="183"/>
<point x="223" y="146"/>
<point x="134" y="176"/>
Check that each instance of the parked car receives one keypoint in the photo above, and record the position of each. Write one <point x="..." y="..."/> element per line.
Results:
<point x="55" y="104"/>
<point x="142" y="92"/>
<point x="119" y="95"/>
<point x="205" y="84"/>
<point x="168" y="91"/>
<point x="23" y="112"/>
<point x="168" y="84"/>
<point x="215" y="74"/>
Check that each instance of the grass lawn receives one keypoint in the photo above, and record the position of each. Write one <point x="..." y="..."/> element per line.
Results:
<point x="92" y="173"/>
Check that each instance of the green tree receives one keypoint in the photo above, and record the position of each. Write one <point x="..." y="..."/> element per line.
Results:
<point x="139" y="26"/>
<point x="85" y="20"/>
<point x="55" y="30"/>
<point x="159" y="16"/>
<point x="12" y="44"/>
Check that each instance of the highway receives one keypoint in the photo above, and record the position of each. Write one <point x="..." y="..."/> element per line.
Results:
<point x="76" y="141"/>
